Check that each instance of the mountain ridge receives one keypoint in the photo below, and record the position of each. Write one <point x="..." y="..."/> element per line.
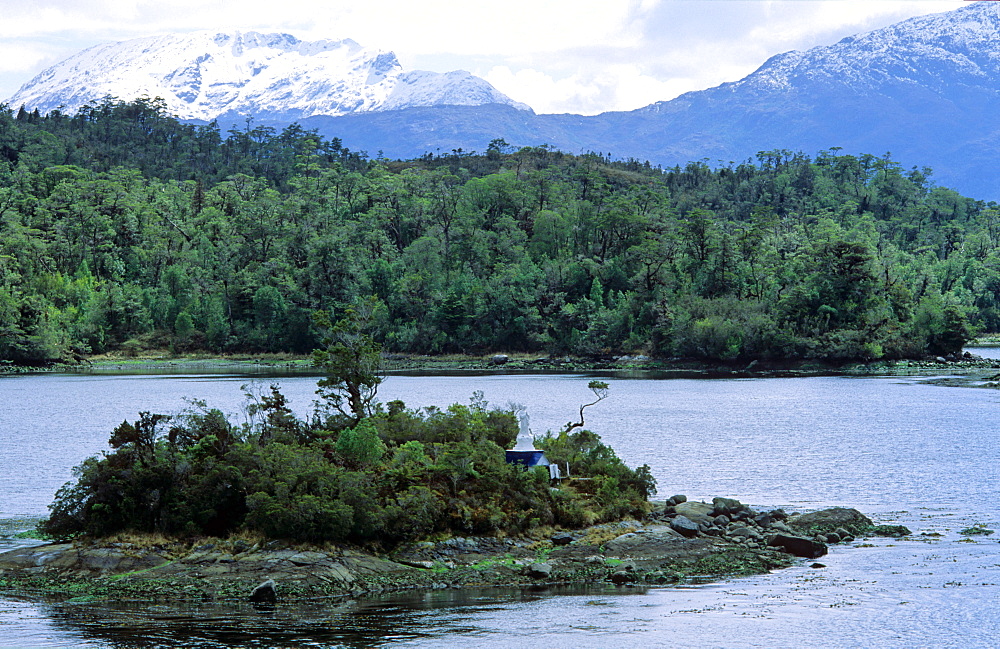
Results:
<point x="205" y="74"/>
<point x="926" y="90"/>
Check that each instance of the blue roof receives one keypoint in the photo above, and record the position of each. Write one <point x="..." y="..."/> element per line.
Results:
<point x="527" y="458"/>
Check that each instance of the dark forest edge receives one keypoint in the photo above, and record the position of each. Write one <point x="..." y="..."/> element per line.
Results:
<point x="123" y="230"/>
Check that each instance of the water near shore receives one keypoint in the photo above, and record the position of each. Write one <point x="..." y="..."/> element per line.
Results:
<point x="900" y="449"/>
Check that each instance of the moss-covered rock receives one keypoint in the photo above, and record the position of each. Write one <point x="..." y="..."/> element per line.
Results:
<point x="828" y="520"/>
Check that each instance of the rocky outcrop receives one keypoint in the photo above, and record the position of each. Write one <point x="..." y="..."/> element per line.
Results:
<point x="727" y="538"/>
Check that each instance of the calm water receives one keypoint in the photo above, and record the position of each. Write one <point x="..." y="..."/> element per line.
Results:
<point x="897" y="448"/>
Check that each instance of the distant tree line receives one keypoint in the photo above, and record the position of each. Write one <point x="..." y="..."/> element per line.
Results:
<point x="122" y="229"/>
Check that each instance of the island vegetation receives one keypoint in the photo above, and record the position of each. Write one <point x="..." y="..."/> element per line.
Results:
<point x="356" y="471"/>
<point x="124" y="230"/>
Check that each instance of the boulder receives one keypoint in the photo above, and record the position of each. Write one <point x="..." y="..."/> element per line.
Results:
<point x="678" y="499"/>
<point x="540" y="570"/>
<point x="724" y="506"/>
<point x="828" y="520"/>
<point x="621" y="577"/>
<point x="684" y="526"/>
<point x="499" y="359"/>
<point x="562" y="539"/>
<point x="799" y="546"/>
<point x="697" y="512"/>
<point x="266" y="593"/>
<point x="722" y="520"/>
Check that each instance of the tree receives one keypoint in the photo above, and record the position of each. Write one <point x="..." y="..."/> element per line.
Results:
<point x="600" y="390"/>
<point x="352" y="360"/>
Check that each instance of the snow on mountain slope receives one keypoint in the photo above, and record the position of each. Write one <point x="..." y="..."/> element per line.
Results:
<point x="203" y="75"/>
<point x="938" y="53"/>
<point x="957" y="47"/>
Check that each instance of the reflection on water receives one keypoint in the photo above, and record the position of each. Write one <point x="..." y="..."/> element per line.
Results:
<point x="431" y="616"/>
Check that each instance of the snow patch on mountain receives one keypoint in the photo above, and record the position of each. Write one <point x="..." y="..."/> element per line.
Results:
<point x="937" y="53"/>
<point x="203" y="75"/>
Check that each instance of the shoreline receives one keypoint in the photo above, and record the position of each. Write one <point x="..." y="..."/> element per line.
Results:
<point x="679" y="542"/>
<point x="513" y="364"/>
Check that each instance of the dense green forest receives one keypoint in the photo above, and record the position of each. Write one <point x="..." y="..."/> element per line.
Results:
<point x="122" y="229"/>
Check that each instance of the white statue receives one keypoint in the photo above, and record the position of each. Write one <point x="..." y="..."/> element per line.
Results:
<point x="525" y="440"/>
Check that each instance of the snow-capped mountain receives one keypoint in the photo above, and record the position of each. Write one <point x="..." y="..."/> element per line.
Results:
<point x="204" y="75"/>
<point x="940" y="50"/>
<point x="927" y="90"/>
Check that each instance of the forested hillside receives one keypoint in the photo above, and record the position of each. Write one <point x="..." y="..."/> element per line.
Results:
<point x="122" y="229"/>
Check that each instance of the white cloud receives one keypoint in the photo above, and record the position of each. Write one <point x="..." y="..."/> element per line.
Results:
<point x="612" y="87"/>
<point x="18" y="58"/>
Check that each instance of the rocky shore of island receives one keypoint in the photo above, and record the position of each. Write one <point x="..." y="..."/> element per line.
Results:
<point x="679" y="541"/>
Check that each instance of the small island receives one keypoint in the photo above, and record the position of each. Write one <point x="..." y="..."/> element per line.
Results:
<point x="365" y="497"/>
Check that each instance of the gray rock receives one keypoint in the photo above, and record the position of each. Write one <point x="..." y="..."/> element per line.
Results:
<point x="540" y="570"/>
<point x="745" y="532"/>
<point x="726" y="506"/>
<point x="697" y="512"/>
<point x="721" y="520"/>
<point x="308" y="558"/>
<point x="499" y="359"/>
<point x="678" y="499"/>
<point x="562" y="539"/>
<point x="684" y="526"/>
<point x="266" y="593"/>
<point x="832" y="537"/>
<point x="764" y="520"/>
<point x="779" y="526"/>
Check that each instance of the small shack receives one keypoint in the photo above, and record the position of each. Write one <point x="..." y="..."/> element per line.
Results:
<point x="525" y="454"/>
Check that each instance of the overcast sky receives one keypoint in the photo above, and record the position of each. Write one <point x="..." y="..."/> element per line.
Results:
<point x="575" y="56"/>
